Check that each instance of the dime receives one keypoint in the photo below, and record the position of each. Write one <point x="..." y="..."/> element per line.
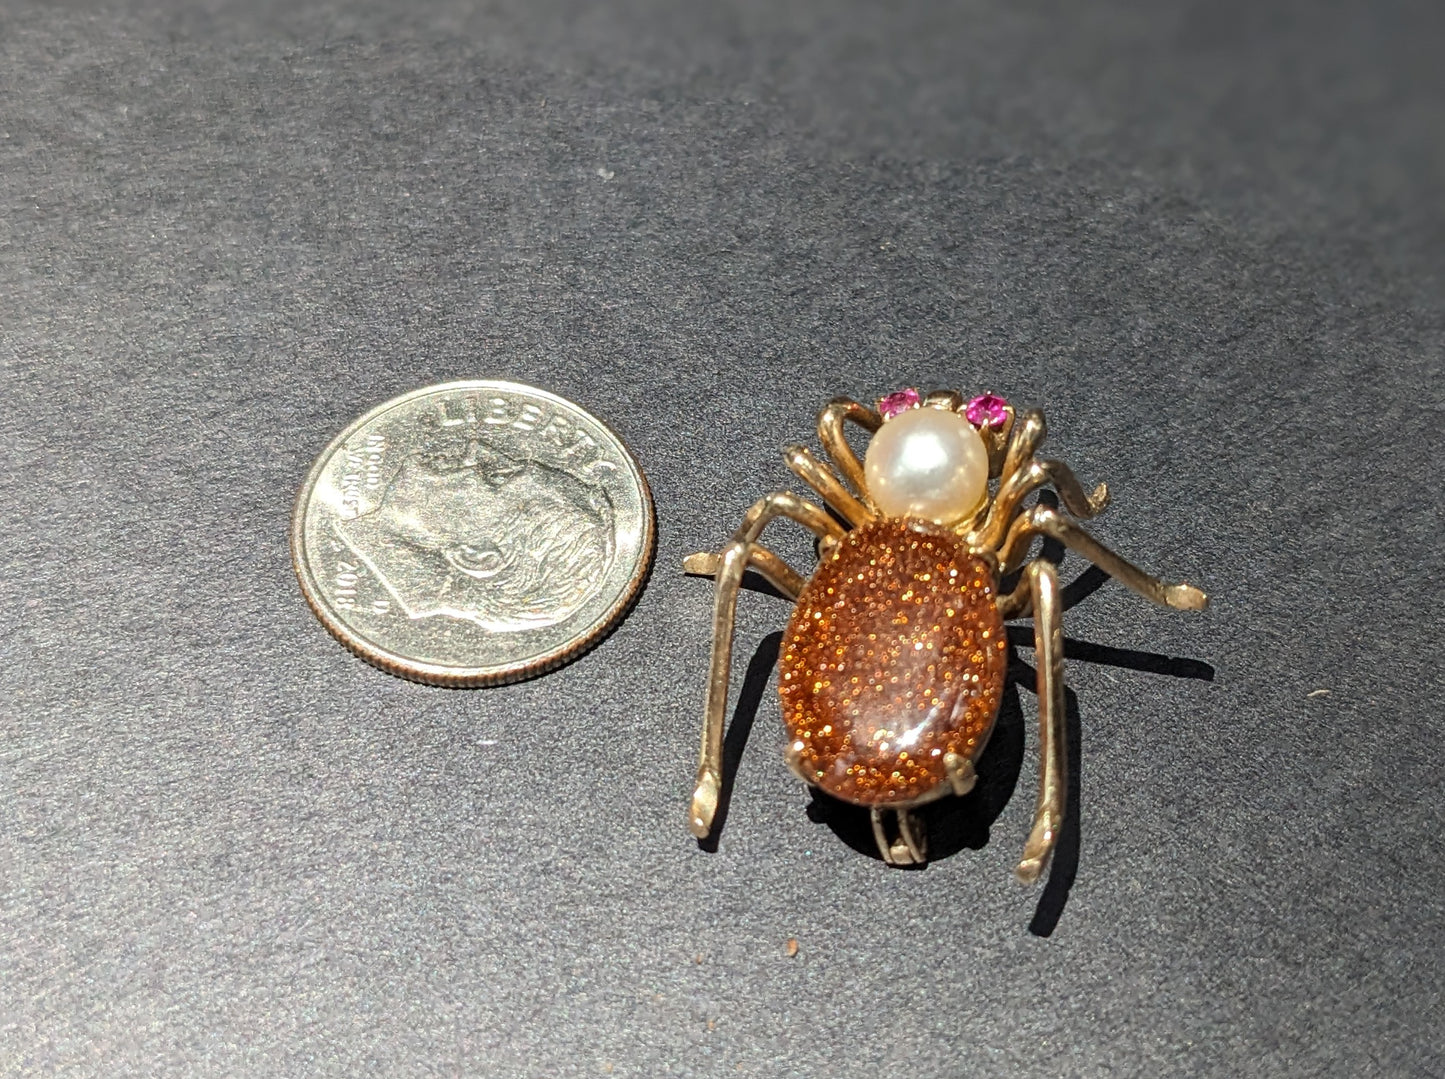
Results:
<point x="472" y="533"/>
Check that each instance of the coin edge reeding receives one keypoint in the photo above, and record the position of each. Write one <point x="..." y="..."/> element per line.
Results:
<point x="468" y="677"/>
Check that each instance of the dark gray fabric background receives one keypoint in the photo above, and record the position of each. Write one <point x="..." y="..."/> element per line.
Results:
<point x="1208" y="239"/>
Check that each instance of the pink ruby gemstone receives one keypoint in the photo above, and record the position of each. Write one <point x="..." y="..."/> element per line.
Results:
<point x="900" y="401"/>
<point x="986" y="410"/>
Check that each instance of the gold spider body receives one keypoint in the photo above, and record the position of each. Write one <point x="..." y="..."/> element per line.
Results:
<point x="893" y="664"/>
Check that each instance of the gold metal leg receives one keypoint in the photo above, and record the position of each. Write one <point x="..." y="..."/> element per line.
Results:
<point x="1024" y="440"/>
<point x="1016" y="604"/>
<point x="728" y="572"/>
<point x="911" y="845"/>
<point x="1043" y="582"/>
<point x="773" y="569"/>
<point x="830" y="434"/>
<point x="1019" y="485"/>
<point x="784" y="504"/>
<point x="1044" y="521"/>
<point x="826" y="482"/>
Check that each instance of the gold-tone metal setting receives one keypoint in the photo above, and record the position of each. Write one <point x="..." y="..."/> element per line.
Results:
<point x="948" y="400"/>
<point x="793" y="756"/>
<point x="1001" y="532"/>
<point x="961" y="776"/>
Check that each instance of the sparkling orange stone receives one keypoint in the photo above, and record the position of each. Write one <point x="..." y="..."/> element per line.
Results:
<point x="895" y="656"/>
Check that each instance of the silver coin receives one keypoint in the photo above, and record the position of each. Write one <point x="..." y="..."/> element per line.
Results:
<point x="472" y="533"/>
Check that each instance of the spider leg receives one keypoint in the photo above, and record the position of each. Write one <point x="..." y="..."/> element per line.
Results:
<point x="1016" y="604"/>
<point x="830" y="434"/>
<point x="1027" y="435"/>
<point x="828" y="484"/>
<point x="1013" y="490"/>
<point x="773" y="569"/>
<point x="1043" y="582"/>
<point x="910" y="847"/>
<point x="1045" y="521"/>
<point x="728" y="568"/>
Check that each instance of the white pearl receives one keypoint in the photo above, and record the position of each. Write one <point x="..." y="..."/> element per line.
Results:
<point x="927" y="462"/>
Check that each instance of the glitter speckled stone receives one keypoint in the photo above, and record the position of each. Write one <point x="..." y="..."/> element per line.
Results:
<point x="894" y="657"/>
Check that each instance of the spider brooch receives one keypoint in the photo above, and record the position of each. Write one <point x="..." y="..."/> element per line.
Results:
<point x="892" y="667"/>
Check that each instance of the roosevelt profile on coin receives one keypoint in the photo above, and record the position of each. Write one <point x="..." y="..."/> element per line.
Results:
<point x="465" y="531"/>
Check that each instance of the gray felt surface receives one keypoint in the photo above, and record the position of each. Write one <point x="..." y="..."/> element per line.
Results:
<point x="1207" y="239"/>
